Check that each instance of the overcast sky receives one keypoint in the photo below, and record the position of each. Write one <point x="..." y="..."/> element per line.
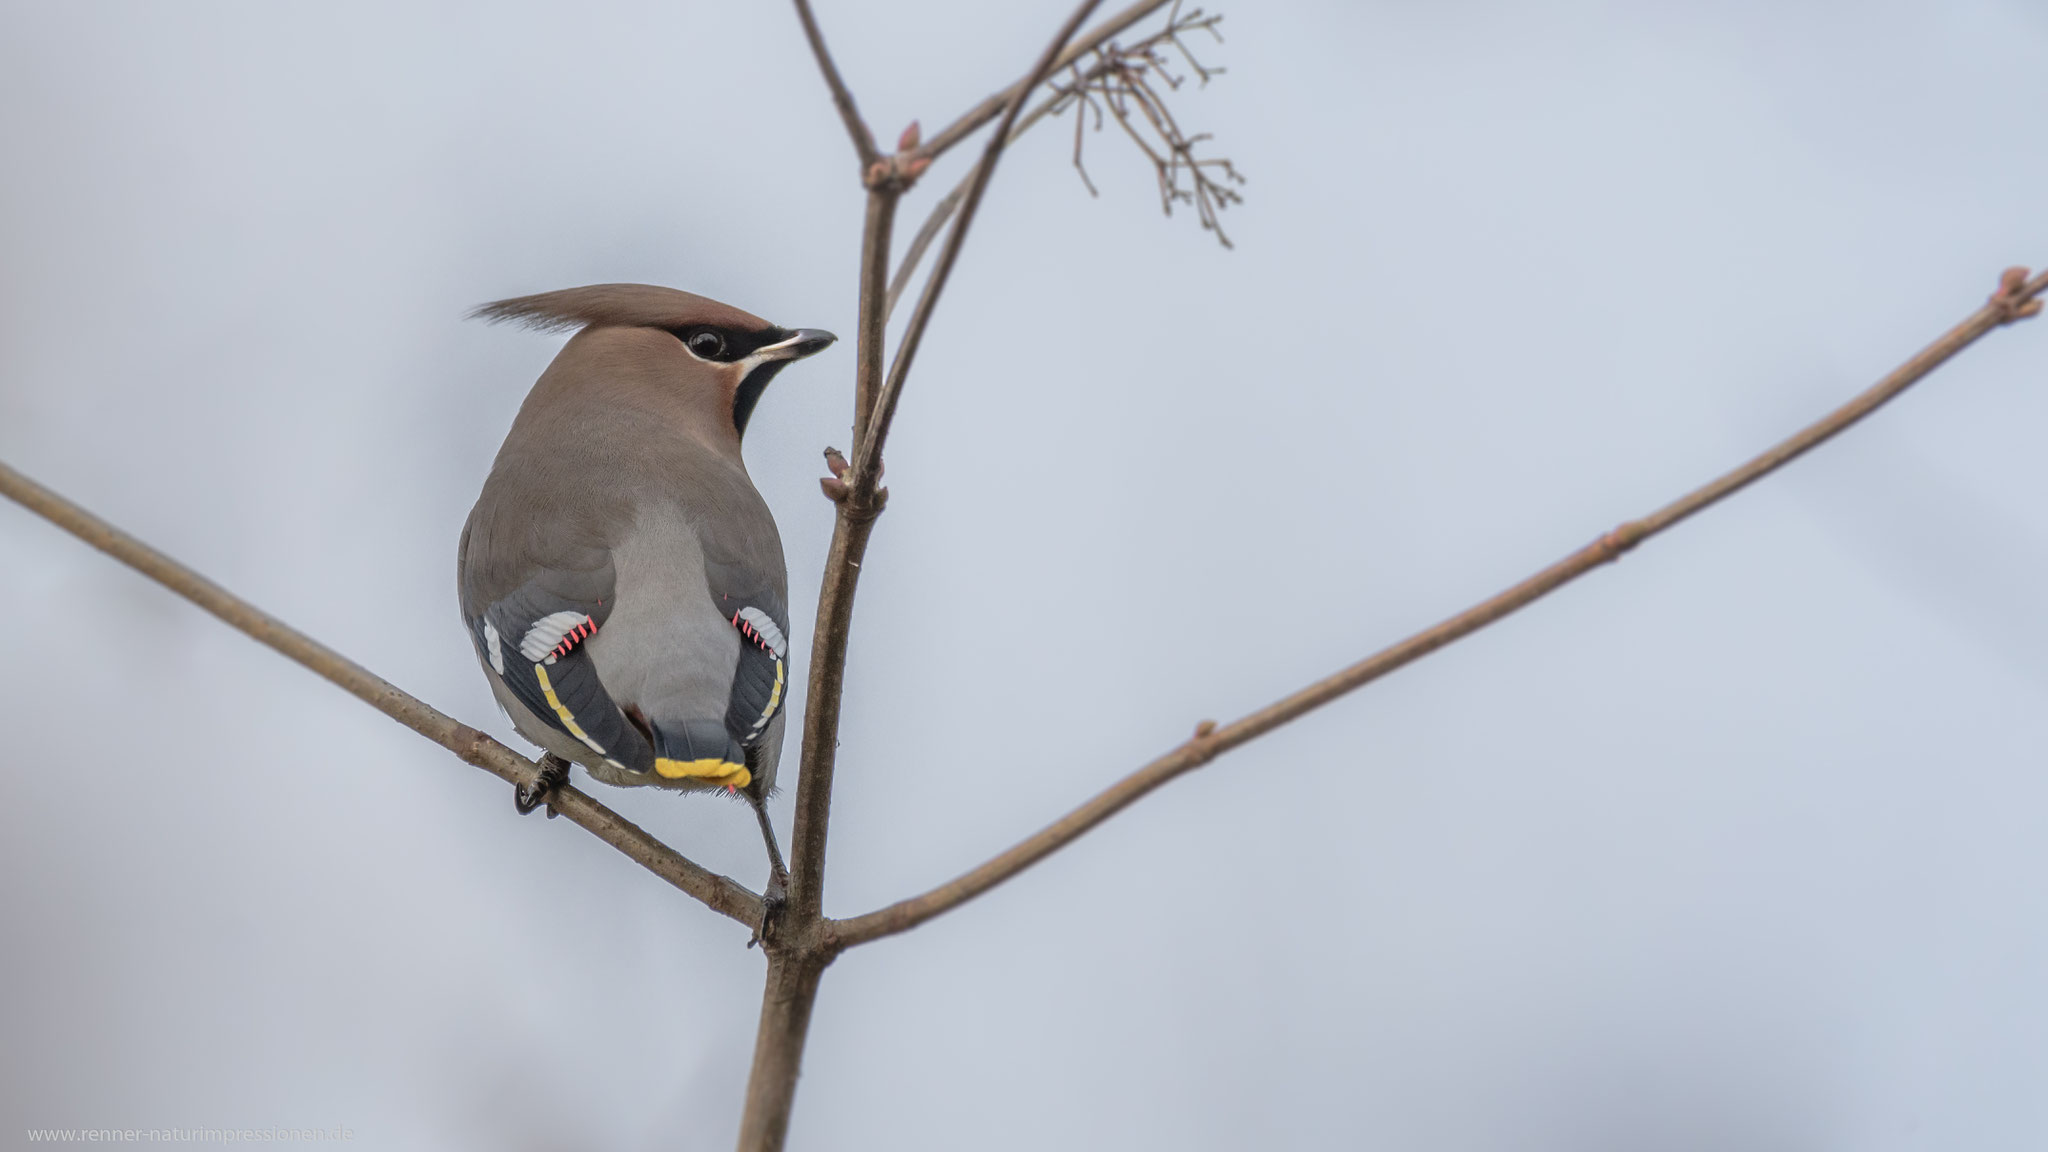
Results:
<point x="1740" y="844"/>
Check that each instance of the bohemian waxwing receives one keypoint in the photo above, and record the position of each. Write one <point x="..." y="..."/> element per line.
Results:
<point x="620" y="577"/>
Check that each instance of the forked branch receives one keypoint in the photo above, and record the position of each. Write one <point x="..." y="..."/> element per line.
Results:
<point x="2017" y="298"/>
<point x="801" y="946"/>
<point x="868" y="455"/>
<point x="857" y="490"/>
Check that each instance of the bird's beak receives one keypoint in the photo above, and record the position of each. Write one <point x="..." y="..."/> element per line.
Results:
<point x="801" y="343"/>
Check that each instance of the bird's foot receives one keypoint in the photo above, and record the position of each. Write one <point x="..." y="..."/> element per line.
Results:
<point x="774" y="899"/>
<point x="554" y="772"/>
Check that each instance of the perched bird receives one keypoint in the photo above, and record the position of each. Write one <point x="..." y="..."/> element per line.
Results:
<point x="620" y="577"/>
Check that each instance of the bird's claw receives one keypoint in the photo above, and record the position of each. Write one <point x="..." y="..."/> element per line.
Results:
<point x="554" y="772"/>
<point x="773" y="900"/>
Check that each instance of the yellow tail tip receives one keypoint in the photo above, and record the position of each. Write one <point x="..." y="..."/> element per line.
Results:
<point x="712" y="771"/>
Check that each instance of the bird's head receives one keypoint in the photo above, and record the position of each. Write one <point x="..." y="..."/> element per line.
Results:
<point x="718" y="354"/>
<point x="740" y="361"/>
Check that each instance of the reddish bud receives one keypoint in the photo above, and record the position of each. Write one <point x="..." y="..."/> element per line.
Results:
<point x="911" y="137"/>
<point x="2011" y="283"/>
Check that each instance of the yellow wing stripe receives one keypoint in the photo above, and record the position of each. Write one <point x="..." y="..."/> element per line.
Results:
<point x="774" y="700"/>
<point x="547" y="687"/>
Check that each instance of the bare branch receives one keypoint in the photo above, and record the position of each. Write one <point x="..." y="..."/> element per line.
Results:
<point x="868" y="453"/>
<point x="993" y="107"/>
<point x="842" y="97"/>
<point x="2015" y="299"/>
<point x="1115" y="70"/>
<point x="821" y="710"/>
<point x="802" y="945"/>
<point x="1121" y="82"/>
<point x="876" y="236"/>
<point x="860" y="499"/>
<point x="720" y="894"/>
<point x="943" y="211"/>
<point x="850" y="531"/>
<point x="787" y="997"/>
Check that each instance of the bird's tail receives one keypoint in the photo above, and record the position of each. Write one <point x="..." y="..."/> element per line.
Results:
<point x="699" y="754"/>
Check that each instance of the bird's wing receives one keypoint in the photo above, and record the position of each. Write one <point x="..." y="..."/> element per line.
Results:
<point x="529" y="610"/>
<point x="753" y="602"/>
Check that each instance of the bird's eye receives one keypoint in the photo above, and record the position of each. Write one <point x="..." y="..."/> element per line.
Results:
<point x="707" y="345"/>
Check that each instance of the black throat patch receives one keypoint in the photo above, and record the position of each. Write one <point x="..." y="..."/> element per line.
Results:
<point x="734" y="346"/>
<point x="749" y="393"/>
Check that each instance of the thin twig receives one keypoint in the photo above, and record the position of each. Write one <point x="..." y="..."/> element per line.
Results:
<point x="941" y="212"/>
<point x="1209" y="195"/>
<point x="868" y="453"/>
<point x="842" y="97"/>
<point x="719" y="893"/>
<point x="944" y="209"/>
<point x="1121" y="80"/>
<point x="979" y="115"/>
<point x="2016" y="299"/>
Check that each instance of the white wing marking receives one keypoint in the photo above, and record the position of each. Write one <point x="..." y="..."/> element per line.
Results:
<point x="492" y="646"/>
<point x="540" y="640"/>
<point x="764" y="626"/>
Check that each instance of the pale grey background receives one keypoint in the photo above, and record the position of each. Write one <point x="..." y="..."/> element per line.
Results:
<point x="1739" y="845"/>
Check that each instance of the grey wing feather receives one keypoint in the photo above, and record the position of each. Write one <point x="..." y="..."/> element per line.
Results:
<point x="753" y="603"/>
<point x="530" y="635"/>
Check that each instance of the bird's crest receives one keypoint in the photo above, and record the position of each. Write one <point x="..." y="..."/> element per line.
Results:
<point x="617" y="305"/>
